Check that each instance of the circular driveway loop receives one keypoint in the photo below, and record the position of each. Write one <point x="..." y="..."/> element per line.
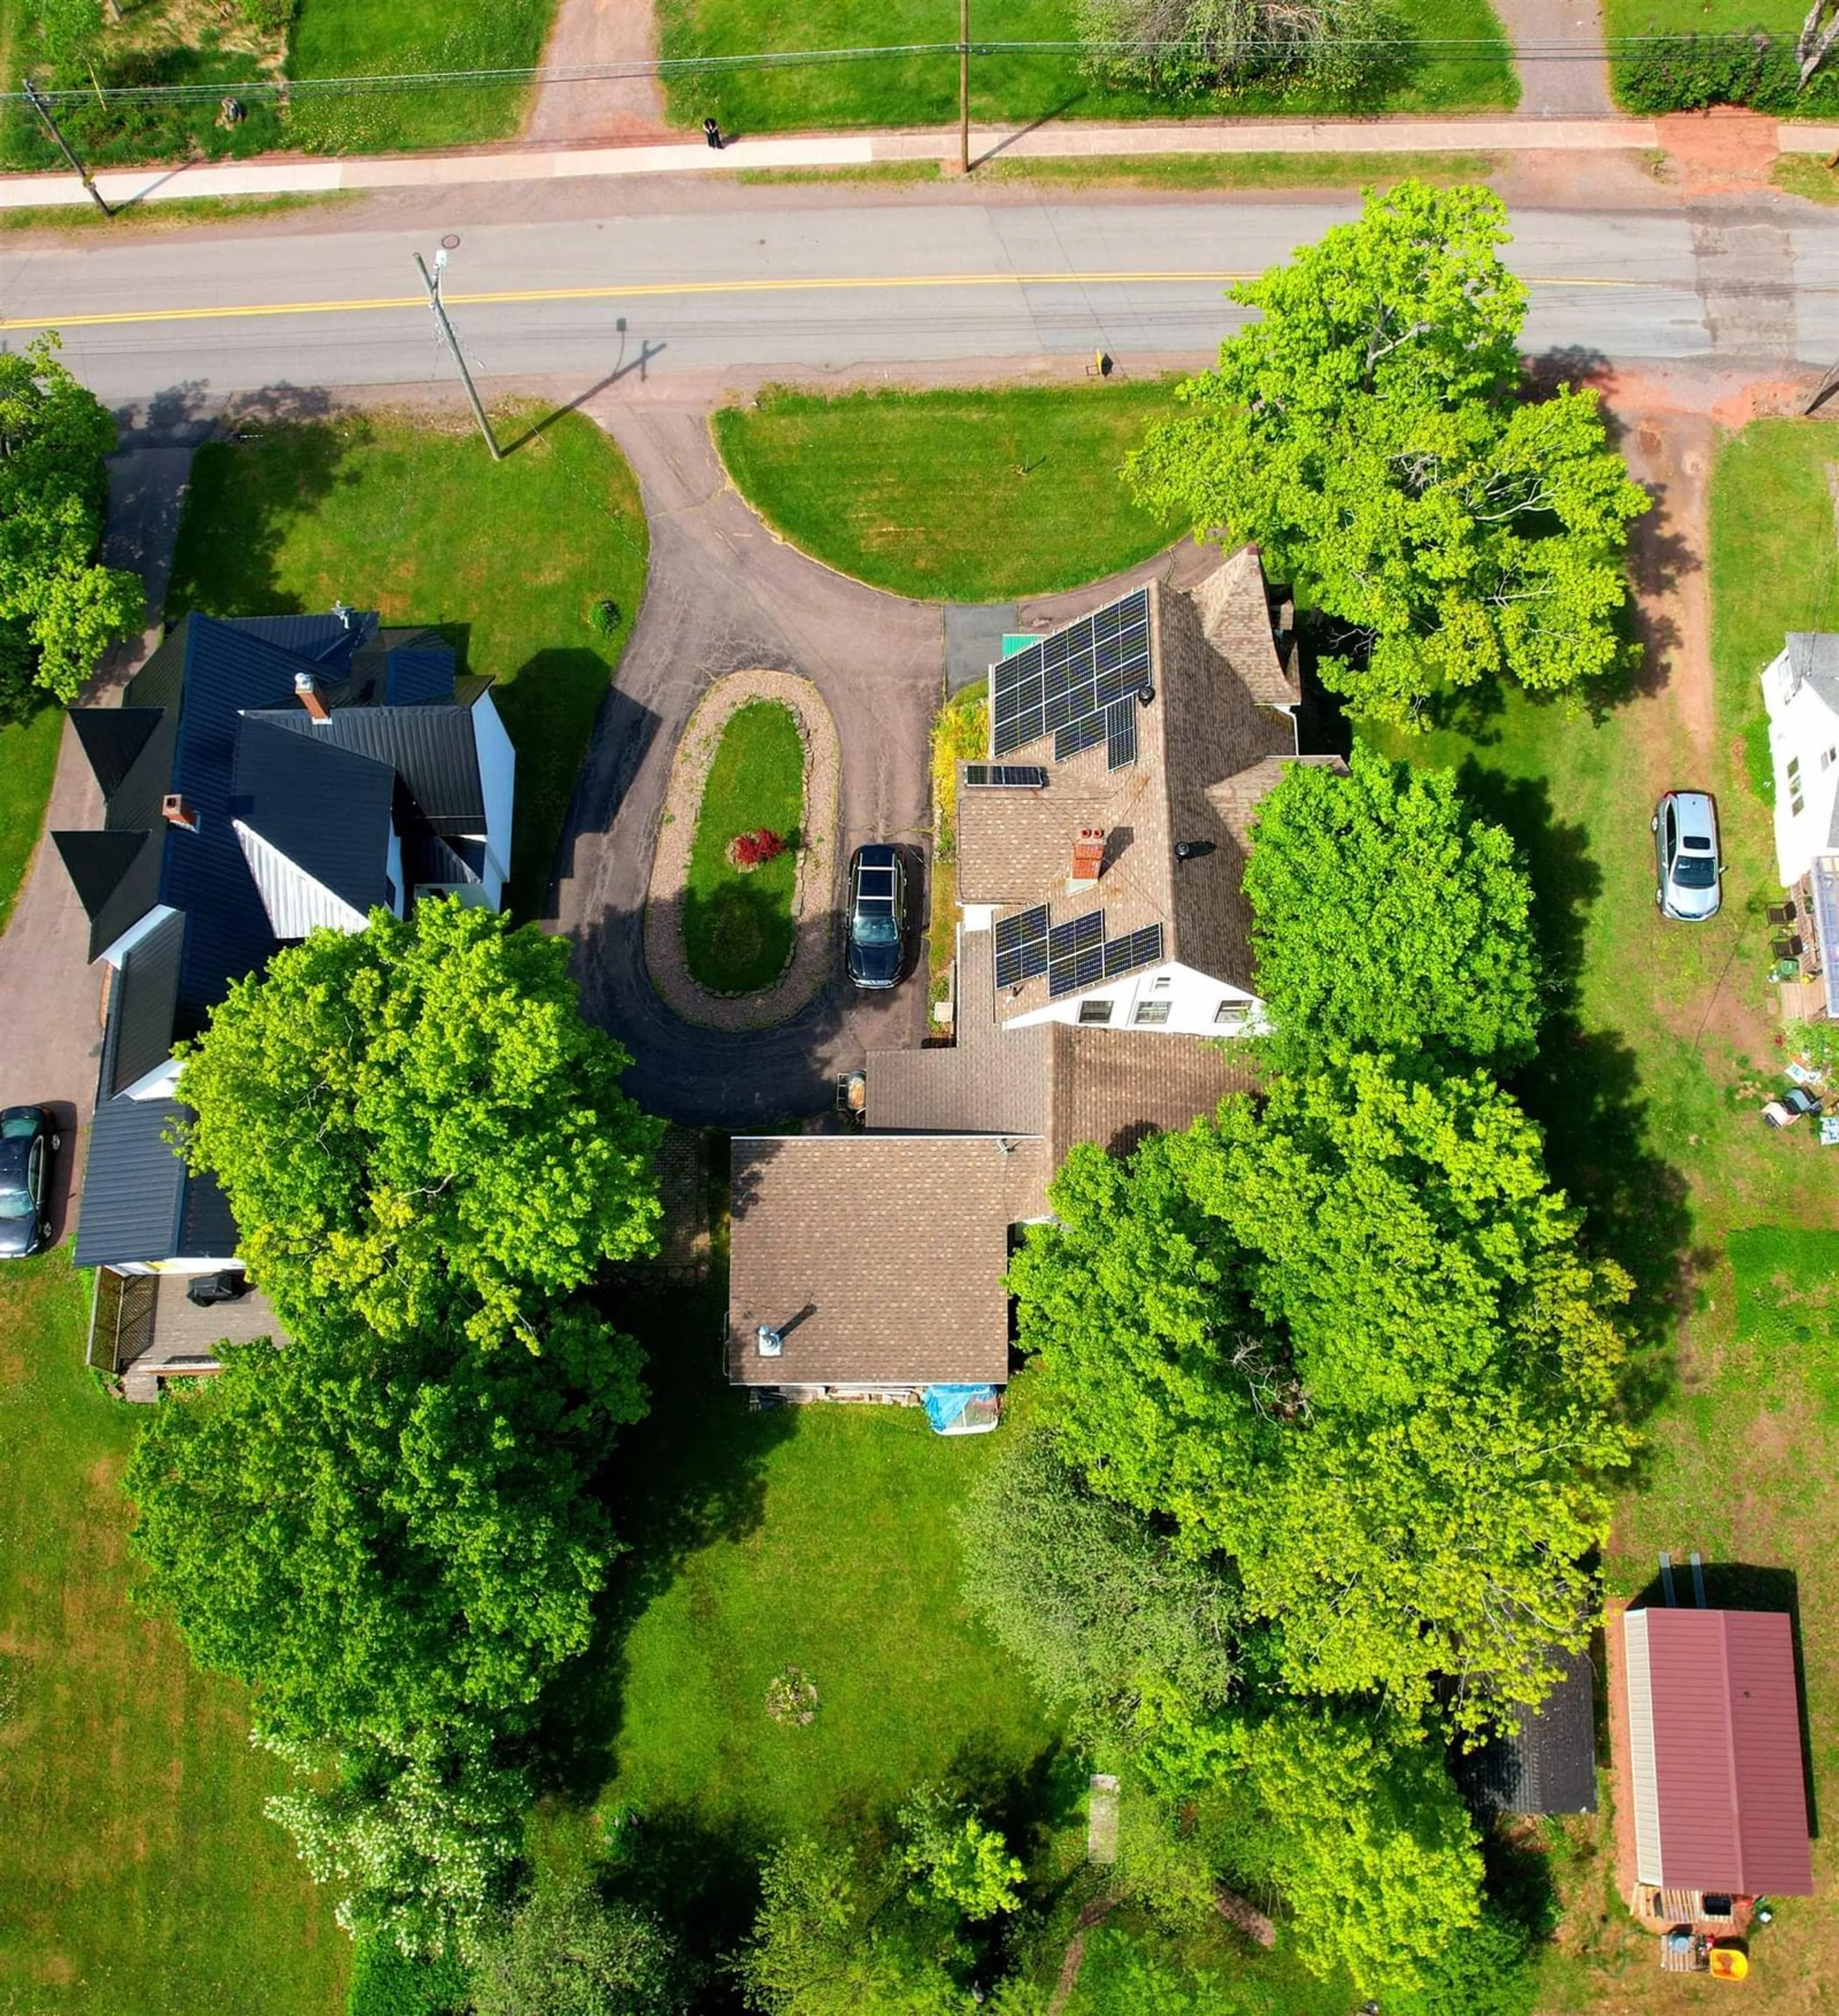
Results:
<point x="723" y="595"/>
<point x="813" y="917"/>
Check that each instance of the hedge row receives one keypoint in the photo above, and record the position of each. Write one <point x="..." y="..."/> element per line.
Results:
<point x="1687" y="73"/>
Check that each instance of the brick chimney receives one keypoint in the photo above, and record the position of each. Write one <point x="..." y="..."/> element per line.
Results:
<point x="1088" y="859"/>
<point x="308" y="694"/>
<point x="177" y="813"/>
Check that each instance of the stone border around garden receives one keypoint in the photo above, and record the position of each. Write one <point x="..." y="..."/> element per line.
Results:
<point x="812" y="899"/>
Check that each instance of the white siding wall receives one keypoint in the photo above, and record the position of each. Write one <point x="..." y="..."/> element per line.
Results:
<point x="1193" y="1000"/>
<point x="1803" y="728"/>
<point x="1646" y="1785"/>
<point x="295" y="901"/>
<point x="394" y="872"/>
<point x="160" y="1082"/>
<point x="497" y="771"/>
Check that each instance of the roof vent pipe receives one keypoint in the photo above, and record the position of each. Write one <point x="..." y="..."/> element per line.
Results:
<point x="307" y="692"/>
<point x="770" y="1342"/>
<point x="343" y="613"/>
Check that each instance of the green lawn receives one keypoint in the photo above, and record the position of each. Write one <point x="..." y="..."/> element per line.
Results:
<point x="1701" y="17"/>
<point x="1236" y="171"/>
<point x="28" y="757"/>
<point x="408" y="514"/>
<point x="967" y="496"/>
<point x="1649" y="1087"/>
<point x="364" y="38"/>
<point x="903" y="90"/>
<point x="138" y="1875"/>
<point x="737" y="928"/>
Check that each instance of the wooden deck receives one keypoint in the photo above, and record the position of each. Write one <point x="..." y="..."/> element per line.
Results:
<point x="163" y="1335"/>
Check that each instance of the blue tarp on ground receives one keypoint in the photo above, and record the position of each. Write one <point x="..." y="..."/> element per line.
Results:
<point x="945" y="1406"/>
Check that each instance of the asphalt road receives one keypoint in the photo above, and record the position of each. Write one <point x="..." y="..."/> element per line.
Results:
<point x="855" y="286"/>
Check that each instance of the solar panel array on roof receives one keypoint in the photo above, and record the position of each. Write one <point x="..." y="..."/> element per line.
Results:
<point x="1067" y="684"/>
<point x="1135" y="948"/>
<point x="1021" y="946"/>
<point x="1076" y="953"/>
<point x="1005" y="777"/>
<point x="1080" y="955"/>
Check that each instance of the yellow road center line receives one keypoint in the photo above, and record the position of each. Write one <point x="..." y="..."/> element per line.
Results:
<point x="528" y="296"/>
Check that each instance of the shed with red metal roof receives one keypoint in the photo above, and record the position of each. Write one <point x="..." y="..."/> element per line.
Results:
<point x="1720" y="1801"/>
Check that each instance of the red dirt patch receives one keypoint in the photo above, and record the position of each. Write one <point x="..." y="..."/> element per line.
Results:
<point x="1725" y="148"/>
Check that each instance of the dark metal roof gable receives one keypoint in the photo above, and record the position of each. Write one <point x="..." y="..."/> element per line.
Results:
<point x="418" y="673"/>
<point x="143" y="1007"/>
<point x="325" y="641"/>
<point x="113" y="737"/>
<point x="117" y="876"/>
<point x="327" y="809"/>
<point x="207" y="1230"/>
<point x="431" y="747"/>
<point x="134" y="1184"/>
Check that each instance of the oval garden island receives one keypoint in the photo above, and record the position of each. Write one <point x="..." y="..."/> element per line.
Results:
<point x="738" y="915"/>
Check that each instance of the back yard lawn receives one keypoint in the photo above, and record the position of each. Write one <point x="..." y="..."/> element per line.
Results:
<point x="1649" y="1089"/>
<point x="910" y="91"/>
<point x="138" y="1875"/>
<point x="967" y="496"/>
<point x="406" y="514"/>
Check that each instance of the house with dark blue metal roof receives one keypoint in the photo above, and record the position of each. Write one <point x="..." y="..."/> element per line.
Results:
<point x="263" y="778"/>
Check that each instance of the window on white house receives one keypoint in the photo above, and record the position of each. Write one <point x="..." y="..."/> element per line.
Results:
<point x="1152" y="1011"/>
<point x="1095" y="1011"/>
<point x="1797" y="803"/>
<point x="1161" y="984"/>
<point x="1232" y="1013"/>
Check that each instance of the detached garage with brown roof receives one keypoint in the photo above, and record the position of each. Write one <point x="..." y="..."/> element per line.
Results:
<point x="1714" y="1757"/>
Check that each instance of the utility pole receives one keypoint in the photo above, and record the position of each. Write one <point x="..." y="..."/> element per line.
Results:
<point x="42" y="106"/>
<point x="964" y="86"/>
<point x="432" y="282"/>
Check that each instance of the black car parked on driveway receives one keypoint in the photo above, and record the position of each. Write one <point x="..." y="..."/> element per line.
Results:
<point x="26" y="1144"/>
<point x="877" y="916"/>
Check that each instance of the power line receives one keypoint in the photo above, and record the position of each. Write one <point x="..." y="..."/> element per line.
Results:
<point x="1477" y="49"/>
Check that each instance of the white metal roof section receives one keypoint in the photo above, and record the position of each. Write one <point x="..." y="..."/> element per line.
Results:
<point x="295" y="903"/>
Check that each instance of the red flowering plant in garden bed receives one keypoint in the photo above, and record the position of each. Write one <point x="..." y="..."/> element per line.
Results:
<point x="754" y="850"/>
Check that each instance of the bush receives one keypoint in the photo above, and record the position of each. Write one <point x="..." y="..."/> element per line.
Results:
<point x="754" y="850"/>
<point x="604" y="618"/>
<point x="1687" y="73"/>
<point x="385" y="1982"/>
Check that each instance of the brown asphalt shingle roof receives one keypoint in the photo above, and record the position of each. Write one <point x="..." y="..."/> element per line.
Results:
<point x="1214" y="727"/>
<point x="880" y="1257"/>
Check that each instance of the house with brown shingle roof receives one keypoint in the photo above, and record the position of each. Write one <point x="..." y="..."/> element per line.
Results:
<point x="1103" y="950"/>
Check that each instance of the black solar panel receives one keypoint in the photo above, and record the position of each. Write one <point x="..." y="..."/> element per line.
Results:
<point x="1021" y="946"/>
<point x="1120" y="734"/>
<point x="1005" y="777"/>
<point x="1135" y="948"/>
<point x="1063" y="685"/>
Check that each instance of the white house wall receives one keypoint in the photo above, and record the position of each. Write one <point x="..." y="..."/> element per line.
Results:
<point x="296" y="901"/>
<point x="497" y="771"/>
<point x="1801" y="726"/>
<point x="1192" y="999"/>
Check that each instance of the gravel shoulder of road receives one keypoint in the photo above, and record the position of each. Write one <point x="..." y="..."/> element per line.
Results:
<point x="813" y="911"/>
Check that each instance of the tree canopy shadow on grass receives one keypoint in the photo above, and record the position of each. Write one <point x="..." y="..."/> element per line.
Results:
<point x="690" y="1473"/>
<point x="292" y="462"/>
<point x="738" y="937"/>
<point x="1585" y="1090"/>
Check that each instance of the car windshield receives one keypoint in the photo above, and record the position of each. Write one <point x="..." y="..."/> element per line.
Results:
<point x="16" y="1126"/>
<point x="876" y="930"/>
<point x="1694" y="871"/>
<point x="14" y="1202"/>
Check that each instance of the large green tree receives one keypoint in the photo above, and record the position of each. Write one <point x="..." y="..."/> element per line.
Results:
<point x="1107" y="1615"/>
<point x="1347" y="1339"/>
<point x="568" y="1951"/>
<point x="60" y="610"/>
<point x="383" y="1537"/>
<point x="1371" y="431"/>
<point x="413" y="1121"/>
<point x="1387" y="917"/>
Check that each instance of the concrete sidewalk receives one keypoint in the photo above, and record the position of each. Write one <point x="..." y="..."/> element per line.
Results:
<point x="278" y="176"/>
